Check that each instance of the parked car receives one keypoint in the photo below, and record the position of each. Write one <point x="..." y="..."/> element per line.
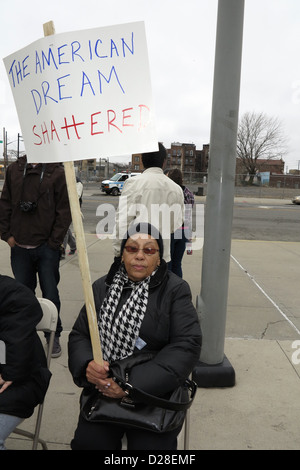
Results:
<point x="296" y="200"/>
<point x="115" y="184"/>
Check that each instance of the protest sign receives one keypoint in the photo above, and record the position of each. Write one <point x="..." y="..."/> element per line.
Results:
<point x="84" y="94"/>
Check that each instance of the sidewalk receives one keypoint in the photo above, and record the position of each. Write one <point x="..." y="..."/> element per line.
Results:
<point x="263" y="320"/>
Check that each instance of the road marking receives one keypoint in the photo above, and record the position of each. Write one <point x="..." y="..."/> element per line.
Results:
<point x="265" y="294"/>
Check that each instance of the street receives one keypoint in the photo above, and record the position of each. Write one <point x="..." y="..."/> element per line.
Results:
<point x="276" y="220"/>
<point x="267" y="221"/>
<point x="253" y="218"/>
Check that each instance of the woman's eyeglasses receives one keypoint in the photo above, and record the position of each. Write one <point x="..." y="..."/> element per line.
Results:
<point x="134" y="249"/>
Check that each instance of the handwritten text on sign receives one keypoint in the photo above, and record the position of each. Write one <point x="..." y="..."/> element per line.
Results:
<point x="84" y="94"/>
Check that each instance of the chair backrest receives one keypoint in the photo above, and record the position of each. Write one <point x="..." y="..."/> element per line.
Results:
<point x="49" y="321"/>
<point x="47" y="324"/>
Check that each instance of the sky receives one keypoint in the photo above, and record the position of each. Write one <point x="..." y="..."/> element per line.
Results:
<point x="181" y="40"/>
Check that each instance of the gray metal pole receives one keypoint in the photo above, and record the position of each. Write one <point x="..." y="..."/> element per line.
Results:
<point x="212" y="302"/>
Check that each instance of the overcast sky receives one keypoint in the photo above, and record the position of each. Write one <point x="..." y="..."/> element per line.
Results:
<point x="181" y="46"/>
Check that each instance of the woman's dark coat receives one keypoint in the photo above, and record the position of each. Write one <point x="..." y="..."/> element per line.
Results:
<point x="170" y="328"/>
<point x="25" y="363"/>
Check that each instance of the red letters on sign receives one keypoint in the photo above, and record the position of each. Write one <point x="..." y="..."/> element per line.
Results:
<point x="93" y="124"/>
<point x="99" y="123"/>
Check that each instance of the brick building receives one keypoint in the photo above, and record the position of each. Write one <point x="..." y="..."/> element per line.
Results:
<point x="136" y="162"/>
<point x="275" y="167"/>
<point x="183" y="156"/>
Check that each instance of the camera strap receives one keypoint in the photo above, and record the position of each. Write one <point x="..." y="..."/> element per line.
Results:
<point x="41" y="179"/>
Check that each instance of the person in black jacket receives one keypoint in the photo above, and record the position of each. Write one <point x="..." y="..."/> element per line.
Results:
<point x="24" y="376"/>
<point x="34" y="218"/>
<point x="142" y="307"/>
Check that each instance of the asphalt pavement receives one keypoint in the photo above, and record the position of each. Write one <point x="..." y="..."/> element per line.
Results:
<point x="261" y="411"/>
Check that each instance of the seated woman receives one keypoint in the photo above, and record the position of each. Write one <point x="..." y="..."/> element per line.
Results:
<point x="139" y="291"/>
<point x="24" y="377"/>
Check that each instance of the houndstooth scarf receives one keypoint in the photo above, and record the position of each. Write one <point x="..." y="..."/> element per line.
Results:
<point x="119" y="332"/>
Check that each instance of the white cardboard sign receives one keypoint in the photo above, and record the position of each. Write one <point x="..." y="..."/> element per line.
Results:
<point x="84" y="94"/>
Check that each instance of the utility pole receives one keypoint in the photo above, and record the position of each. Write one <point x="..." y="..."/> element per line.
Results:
<point x="2" y="141"/>
<point x="214" y="369"/>
<point x="4" y="149"/>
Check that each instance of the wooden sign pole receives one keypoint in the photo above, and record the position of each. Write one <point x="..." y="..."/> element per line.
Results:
<point x="81" y="246"/>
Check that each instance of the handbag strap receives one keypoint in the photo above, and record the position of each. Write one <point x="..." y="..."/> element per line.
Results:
<point x="141" y="396"/>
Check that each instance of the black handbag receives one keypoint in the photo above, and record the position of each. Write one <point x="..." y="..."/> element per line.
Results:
<point x="138" y="410"/>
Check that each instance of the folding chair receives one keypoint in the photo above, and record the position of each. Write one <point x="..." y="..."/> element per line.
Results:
<point x="47" y="325"/>
<point x="186" y="426"/>
<point x="184" y="435"/>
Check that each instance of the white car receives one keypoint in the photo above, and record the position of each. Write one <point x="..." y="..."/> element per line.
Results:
<point x="115" y="184"/>
<point x="296" y="200"/>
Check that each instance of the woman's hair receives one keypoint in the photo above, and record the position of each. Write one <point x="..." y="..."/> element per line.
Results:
<point x="176" y="175"/>
<point x="144" y="228"/>
<point x="155" y="158"/>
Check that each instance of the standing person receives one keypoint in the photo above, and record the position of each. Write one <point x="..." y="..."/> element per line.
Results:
<point x="69" y="238"/>
<point x="34" y="218"/>
<point x="142" y="307"/>
<point x="150" y="197"/>
<point x="183" y="234"/>
<point x="24" y="376"/>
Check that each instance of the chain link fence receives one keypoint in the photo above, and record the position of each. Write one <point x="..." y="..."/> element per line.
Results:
<point x="273" y="186"/>
<point x="260" y="186"/>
